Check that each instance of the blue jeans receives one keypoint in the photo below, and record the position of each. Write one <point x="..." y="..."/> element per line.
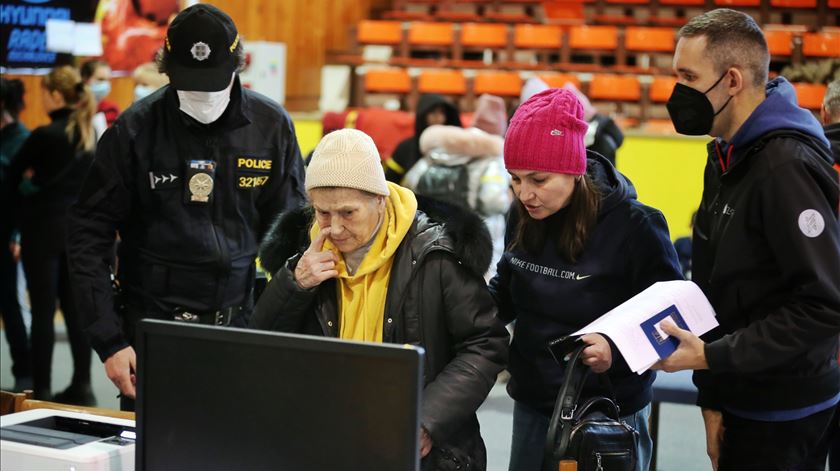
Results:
<point x="530" y="428"/>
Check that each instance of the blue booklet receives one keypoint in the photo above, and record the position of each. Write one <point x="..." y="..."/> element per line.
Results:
<point x="663" y="343"/>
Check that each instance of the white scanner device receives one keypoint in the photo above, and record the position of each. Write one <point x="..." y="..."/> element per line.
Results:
<point x="47" y="439"/>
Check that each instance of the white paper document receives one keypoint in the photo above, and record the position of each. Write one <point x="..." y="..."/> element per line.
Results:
<point x="634" y="326"/>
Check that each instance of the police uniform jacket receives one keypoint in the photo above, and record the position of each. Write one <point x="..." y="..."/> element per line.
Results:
<point x="190" y="202"/>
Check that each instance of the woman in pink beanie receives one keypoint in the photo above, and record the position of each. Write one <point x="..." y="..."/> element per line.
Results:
<point x="580" y="244"/>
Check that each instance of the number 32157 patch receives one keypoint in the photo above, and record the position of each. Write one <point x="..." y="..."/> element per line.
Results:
<point x="252" y="182"/>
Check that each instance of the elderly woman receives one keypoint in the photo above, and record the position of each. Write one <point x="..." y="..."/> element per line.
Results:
<point x="364" y="263"/>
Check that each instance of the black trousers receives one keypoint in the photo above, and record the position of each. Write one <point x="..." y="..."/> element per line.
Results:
<point x="798" y="445"/>
<point x="47" y="279"/>
<point x="12" y="318"/>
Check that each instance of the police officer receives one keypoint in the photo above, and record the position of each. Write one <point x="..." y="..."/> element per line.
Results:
<point x="189" y="178"/>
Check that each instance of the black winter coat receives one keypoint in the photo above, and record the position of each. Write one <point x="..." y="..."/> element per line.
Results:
<point x="767" y="255"/>
<point x="436" y="299"/>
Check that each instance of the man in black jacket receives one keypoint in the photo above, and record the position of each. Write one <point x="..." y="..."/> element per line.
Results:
<point x="190" y="178"/>
<point x="766" y="253"/>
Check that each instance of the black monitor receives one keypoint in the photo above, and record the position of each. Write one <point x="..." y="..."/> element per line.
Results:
<point x="215" y="398"/>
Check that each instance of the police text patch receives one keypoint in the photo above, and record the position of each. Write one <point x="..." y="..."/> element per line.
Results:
<point x="253" y="164"/>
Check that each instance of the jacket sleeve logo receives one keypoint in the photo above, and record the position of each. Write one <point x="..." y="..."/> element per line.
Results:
<point x="811" y="223"/>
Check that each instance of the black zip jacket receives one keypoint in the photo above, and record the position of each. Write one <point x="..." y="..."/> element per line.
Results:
<point x="175" y="253"/>
<point x="767" y="255"/>
<point x="436" y="299"/>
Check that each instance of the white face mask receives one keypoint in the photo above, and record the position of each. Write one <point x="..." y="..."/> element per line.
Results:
<point x="205" y="107"/>
<point x="142" y="91"/>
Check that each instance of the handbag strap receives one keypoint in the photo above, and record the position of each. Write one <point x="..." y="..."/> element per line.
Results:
<point x="562" y="417"/>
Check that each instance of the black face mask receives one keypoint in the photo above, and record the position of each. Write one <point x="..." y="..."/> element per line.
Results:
<point x="691" y="111"/>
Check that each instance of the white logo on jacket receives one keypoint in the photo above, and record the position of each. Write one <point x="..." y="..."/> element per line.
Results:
<point x="811" y="223"/>
<point x="547" y="271"/>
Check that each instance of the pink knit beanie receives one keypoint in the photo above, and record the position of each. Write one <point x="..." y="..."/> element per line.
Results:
<point x="546" y="134"/>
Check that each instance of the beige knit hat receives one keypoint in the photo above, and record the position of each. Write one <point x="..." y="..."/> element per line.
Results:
<point x="347" y="158"/>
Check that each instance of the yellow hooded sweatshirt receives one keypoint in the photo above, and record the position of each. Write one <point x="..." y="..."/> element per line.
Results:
<point x="362" y="295"/>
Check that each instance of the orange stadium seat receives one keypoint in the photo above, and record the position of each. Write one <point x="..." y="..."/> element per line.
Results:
<point x="738" y="3"/>
<point x="423" y="33"/>
<point x="682" y="2"/>
<point x="484" y="35"/>
<point x="810" y="95"/>
<point x="779" y="42"/>
<point x="537" y="37"/>
<point x="445" y="82"/>
<point x="793" y="3"/>
<point x="558" y="80"/>
<point x="497" y="83"/>
<point x="825" y="44"/>
<point x="607" y="87"/>
<point x="379" y="32"/>
<point x="640" y="38"/>
<point x="833" y="3"/>
<point x="629" y="2"/>
<point x="661" y="88"/>
<point x="387" y="81"/>
<point x="593" y="37"/>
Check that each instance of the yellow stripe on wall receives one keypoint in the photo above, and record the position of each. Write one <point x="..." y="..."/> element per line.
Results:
<point x="668" y="175"/>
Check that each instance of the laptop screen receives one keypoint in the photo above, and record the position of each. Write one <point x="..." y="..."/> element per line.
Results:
<point x="223" y="398"/>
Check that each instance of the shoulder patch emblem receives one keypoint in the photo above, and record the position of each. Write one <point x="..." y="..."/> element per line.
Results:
<point x="811" y="223"/>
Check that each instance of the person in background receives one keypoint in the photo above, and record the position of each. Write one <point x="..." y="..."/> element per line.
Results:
<point x="12" y="135"/>
<point x="367" y="262"/>
<point x="583" y="244"/>
<point x="57" y="156"/>
<point x="830" y="114"/>
<point x="190" y="178"/>
<point x="766" y="253"/>
<point x="465" y="167"/>
<point x="431" y="109"/>
<point x="147" y="80"/>
<point x="97" y="76"/>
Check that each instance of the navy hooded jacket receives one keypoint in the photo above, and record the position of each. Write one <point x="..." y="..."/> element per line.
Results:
<point x="766" y="252"/>
<point x="549" y="297"/>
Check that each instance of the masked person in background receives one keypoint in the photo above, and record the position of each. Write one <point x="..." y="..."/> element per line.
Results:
<point x="97" y="75"/>
<point x="147" y="79"/>
<point x="190" y="177"/>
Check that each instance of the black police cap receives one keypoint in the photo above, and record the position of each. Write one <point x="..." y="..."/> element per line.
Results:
<point x="200" y="44"/>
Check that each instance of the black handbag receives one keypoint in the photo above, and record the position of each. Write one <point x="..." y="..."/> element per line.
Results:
<point x="590" y="433"/>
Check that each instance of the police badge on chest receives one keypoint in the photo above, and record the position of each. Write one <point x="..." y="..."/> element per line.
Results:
<point x="200" y="177"/>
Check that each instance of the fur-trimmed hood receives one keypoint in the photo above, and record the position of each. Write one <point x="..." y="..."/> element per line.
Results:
<point x="438" y="224"/>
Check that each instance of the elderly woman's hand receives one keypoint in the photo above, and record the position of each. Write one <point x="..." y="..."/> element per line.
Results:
<point x="316" y="264"/>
